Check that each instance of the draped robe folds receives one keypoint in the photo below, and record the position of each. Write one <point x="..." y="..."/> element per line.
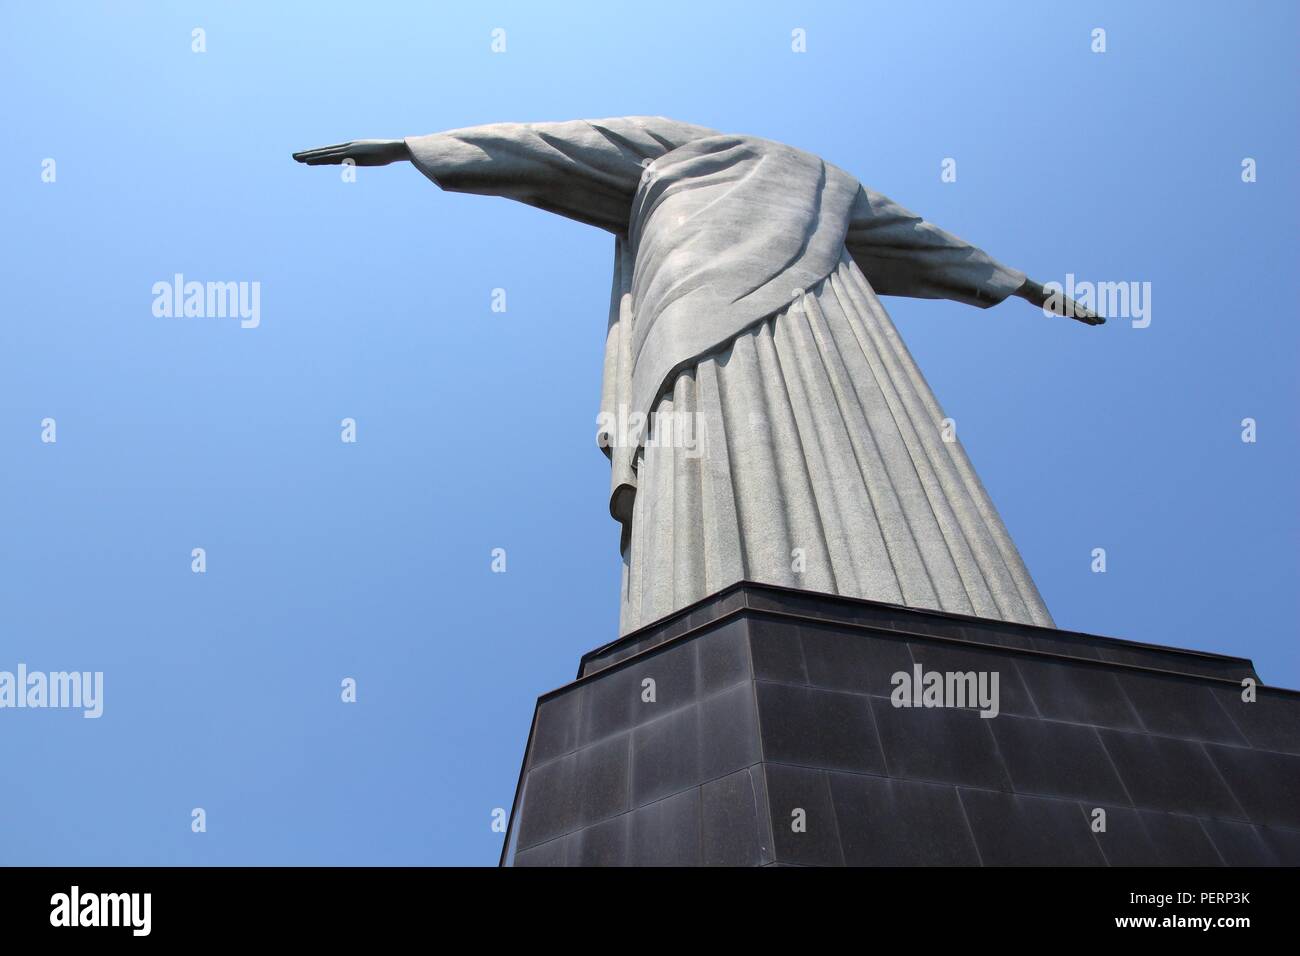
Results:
<point x="744" y="315"/>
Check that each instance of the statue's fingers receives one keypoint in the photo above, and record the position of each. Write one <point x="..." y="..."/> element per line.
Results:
<point x="1080" y="313"/>
<point x="323" y="154"/>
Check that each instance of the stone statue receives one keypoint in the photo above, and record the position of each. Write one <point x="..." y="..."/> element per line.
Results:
<point x="745" y="304"/>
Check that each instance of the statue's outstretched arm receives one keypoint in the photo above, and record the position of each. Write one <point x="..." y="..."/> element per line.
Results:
<point x="586" y="170"/>
<point x="902" y="254"/>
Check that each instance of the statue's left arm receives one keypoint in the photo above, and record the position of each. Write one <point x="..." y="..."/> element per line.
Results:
<point x="902" y="254"/>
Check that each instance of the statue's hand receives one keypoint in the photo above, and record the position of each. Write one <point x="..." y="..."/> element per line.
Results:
<point x="363" y="152"/>
<point x="1074" y="310"/>
<point x="1057" y="304"/>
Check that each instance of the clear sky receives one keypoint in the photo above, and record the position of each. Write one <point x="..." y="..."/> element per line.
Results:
<point x="371" y="560"/>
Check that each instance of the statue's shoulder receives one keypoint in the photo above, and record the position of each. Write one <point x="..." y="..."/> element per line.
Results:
<point x="669" y="131"/>
<point x="742" y="147"/>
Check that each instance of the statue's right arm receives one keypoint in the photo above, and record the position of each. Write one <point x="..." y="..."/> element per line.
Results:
<point x="586" y="170"/>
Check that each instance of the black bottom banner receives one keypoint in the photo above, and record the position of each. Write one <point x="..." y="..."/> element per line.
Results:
<point x="92" y="905"/>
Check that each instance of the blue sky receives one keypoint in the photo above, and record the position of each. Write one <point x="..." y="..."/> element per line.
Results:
<point x="475" y="429"/>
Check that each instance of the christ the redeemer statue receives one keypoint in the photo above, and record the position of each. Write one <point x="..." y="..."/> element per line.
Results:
<point x="745" y="298"/>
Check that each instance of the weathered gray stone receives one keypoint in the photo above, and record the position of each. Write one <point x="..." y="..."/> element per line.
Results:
<point x="745" y="307"/>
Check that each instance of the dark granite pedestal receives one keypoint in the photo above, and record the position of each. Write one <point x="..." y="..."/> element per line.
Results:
<point x="756" y="727"/>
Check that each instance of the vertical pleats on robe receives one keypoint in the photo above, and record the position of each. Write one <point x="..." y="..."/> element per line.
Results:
<point x="614" y="436"/>
<point x="816" y="460"/>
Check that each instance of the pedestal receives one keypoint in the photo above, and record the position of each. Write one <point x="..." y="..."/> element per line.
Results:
<point x="767" y="726"/>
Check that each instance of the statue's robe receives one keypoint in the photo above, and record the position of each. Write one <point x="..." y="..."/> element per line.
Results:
<point x="745" y="303"/>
